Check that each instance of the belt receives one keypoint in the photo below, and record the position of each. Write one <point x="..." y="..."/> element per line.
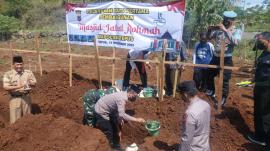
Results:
<point x="19" y="94"/>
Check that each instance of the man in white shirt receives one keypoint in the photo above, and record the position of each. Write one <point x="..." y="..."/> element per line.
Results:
<point x="136" y="67"/>
<point x="196" y="120"/>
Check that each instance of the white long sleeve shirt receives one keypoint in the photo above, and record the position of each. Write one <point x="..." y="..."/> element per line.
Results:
<point x="137" y="54"/>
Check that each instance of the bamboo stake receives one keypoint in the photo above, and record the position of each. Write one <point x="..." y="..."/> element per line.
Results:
<point x="98" y="64"/>
<point x="29" y="64"/>
<point x="157" y="73"/>
<point x="221" y="75"/>
<point x="39" y="56"/>
<point x="11" y="53"/>
<point x="162" y="69"/>
<point x="175" y="77"/>
<point x="70" y="66"/>
<point x="125" y="59"/>
<point x="113" y="67"/>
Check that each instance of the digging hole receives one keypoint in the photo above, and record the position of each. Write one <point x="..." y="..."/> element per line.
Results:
<point x="133" y="133"/>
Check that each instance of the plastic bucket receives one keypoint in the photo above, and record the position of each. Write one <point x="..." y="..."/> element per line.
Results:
<point x="152" y="127"/>
<point x="148" y="92"/>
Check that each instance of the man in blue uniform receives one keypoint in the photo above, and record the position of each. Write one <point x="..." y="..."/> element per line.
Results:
<point x="223" y="32"/>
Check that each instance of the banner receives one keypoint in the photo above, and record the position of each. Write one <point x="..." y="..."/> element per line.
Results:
<point x="126" y="24"/>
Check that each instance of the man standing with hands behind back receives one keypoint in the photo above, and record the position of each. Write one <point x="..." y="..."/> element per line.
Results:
<point x="18" y="83"/>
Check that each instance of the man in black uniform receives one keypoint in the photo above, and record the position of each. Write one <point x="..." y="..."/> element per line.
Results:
<point x="262" y="93"/>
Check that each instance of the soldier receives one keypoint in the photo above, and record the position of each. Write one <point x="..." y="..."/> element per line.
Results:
<point x="18" y="83"/>
<point x="196" y="121"/>
<point x="262" y="93"/>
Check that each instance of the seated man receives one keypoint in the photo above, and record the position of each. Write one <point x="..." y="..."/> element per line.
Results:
<point x="110" y="113"/>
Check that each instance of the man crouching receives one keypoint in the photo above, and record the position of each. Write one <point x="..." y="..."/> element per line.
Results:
<point x="110" y="113"/>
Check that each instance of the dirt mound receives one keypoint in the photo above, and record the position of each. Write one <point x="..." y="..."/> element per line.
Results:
<point x="53" y="95"/>
<point x="44" y="132"/>
<point x="4" y="107"/>
<point x="228" y="129"/>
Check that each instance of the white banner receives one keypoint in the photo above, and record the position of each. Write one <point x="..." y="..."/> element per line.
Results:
<point x="126" y="24"/>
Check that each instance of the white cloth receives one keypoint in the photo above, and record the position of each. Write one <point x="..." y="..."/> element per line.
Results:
<point x="137" y="54"/>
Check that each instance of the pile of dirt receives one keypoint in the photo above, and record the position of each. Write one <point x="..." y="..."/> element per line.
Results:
<point x="167" y="112"/>
<point x="64" y="130"/>
<point x="228" y="129"/>
<point x="53" y="95"/>
<point x="4" y="107"/>
<point x="45" y="132"/>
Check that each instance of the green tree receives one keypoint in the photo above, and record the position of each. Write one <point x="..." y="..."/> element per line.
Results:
<point x="9" y="24"/>
<point x="202" y="13"/>
<point x="15" y="8"/>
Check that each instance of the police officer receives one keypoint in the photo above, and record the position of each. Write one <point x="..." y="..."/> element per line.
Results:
<point x="110" y="114"/>
<point x="262" y="93"/>
<point x="223" y="32"/>
<point x="196" y="121"/>
<point x="18" y="83"/>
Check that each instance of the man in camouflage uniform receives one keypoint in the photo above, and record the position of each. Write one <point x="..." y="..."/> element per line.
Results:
<point x="90" y="98"/>
<point x="18" y="83"/>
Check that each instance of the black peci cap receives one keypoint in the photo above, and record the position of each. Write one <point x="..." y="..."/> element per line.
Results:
<point x="187" y="87"/>
<point x="17" y="59"/>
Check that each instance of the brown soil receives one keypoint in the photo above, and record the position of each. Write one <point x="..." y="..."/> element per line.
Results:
<point x="45" y="132"/>
<point x="53" y="95"/>
<point x="60" y="106"/>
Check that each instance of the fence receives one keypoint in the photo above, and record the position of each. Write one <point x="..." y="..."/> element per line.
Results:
<point x="160" y="72"/>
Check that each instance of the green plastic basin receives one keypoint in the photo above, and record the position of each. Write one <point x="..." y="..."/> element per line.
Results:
<point x="152" y="127"/>
<point x="148" y="92"/>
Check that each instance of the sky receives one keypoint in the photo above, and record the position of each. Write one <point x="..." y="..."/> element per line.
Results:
<point x="250" y="3"/>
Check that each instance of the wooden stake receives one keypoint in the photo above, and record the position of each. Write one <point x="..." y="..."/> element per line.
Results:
<point x="29" y="64"/>
<point x="98" y="64"/>
<point x="221" y="74"/>
<point x="39" y="56"/>
<point x="176" y="77"/>
<point x="113" y="67"/>
<point x="162" y="69"/>
<point x="11" y="53"/>
<point x="70" y="66"/>
<point x="157" y="73"/>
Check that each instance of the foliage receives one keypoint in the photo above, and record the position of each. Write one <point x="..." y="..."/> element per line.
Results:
<point x="202" y="13"/>
<point x="15" y="8"/>
<point x="42" y="13"/>
<point x="244" y="50"/>
<point x="8" y="24"/>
